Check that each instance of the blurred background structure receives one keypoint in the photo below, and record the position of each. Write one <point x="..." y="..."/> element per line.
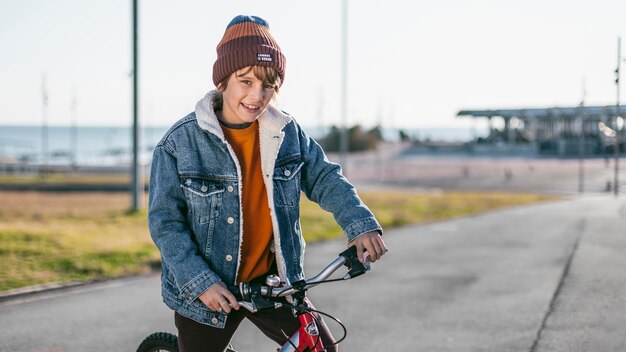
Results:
<point x="558" y="131"/>
<point x="468" y="79"/>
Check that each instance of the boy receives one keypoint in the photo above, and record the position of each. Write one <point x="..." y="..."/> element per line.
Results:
<point x="225" y="190"/>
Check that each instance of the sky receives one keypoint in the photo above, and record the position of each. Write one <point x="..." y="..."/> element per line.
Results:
<point x="411" y="64"/>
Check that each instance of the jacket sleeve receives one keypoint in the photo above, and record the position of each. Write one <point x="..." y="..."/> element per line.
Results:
<point x="323" y="183"/>
<point x="170" y="230"/>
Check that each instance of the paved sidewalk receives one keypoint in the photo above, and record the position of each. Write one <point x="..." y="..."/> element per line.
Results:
<point x="545" y="277"/>
<point x="589" y="313"/>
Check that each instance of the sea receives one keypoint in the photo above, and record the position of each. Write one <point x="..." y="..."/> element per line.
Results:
<point x="106" y="146"/>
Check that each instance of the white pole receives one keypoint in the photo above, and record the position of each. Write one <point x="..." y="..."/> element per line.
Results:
<point x="74" y="132"/>
<point x="44" y="126"/>
<point x="616" y="137"/>
<point x="581" y="147"/>
<point x="343" y="139"/>
<point x="137" y="180"/>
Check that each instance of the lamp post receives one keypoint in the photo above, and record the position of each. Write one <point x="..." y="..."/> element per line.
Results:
<point x="581" y="146"/>
<point x="343" y="137"/>
<point x="73" y="133"/>
<point x="615" y="124"/>
<point x="44" y="126"/>
<point x="137" y="182"/>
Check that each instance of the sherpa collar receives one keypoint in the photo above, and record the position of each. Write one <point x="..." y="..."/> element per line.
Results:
<point x="272" y="119"/>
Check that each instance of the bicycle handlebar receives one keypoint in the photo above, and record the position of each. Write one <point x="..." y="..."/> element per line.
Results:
<point x="252" y="295"/>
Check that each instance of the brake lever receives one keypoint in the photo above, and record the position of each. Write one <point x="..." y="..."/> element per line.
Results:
<point x="248" y="305"/>
<point x="253" y="308"/>
<point x="367" y="263"/>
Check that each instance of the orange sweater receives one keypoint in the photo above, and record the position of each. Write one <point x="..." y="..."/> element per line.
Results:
<point x="256" y="257"/>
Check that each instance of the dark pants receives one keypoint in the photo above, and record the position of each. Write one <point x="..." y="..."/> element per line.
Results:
<point x="196" y="337"/>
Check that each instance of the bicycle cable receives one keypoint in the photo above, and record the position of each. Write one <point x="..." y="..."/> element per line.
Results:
<point x="318" y="282"/>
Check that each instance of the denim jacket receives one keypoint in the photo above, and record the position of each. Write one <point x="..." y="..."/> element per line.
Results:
<point x="195" y="211"/>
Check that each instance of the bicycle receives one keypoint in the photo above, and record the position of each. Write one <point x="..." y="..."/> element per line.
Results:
<point x="257" y="297"/>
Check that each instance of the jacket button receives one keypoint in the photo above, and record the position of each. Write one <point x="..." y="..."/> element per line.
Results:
<point x="287" y="173"/>
<point x="229" y="258"/>
<point x="214" y="321"/>
<point x="230" y="220"/>
<point x="231" y="188"/>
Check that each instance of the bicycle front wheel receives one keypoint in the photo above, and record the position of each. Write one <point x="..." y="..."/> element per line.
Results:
<point x="159" y="342"/>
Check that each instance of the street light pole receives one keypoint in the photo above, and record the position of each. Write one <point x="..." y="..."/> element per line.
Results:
<point x="581" y="146"/>
<point x="343" y="136"/>
<point x="43" y="171"/>
<point x="137" y="182"/>
<point x="617" y="134"/>
<point x="74" y="133"/>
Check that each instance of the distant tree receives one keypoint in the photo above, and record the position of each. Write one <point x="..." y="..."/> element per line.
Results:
<point x="358" y="139"/>
<point x="376" y="133"/>
<point x="330" y="142"/>
<point x="404" y="137"/>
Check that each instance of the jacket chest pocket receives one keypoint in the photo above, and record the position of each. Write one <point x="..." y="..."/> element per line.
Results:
<point x="287" y="183"/>
<point x="204" y="197"/>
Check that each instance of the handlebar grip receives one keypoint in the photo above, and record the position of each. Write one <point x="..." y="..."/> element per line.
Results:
<point x="352" y="262"/>
<point x="236" y="292"/>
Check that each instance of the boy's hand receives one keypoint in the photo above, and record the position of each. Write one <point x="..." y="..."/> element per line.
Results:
<point x="218" y="298"/>
<point x="373" y="243"/>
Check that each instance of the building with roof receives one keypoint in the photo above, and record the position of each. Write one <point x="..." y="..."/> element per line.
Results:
<point x="562" y="131"/>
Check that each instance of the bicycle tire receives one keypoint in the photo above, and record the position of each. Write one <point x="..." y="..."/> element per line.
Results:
<point x="159" y="342"/>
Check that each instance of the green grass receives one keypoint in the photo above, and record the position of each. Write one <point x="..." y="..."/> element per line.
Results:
<point x="47" y="237"/>
<point x="70" y="248"/>
<point x="399" y="208"/>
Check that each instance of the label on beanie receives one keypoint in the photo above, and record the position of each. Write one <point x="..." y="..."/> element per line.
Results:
<point x="264" y="57"/>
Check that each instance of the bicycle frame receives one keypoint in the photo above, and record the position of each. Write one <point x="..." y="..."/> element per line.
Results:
<point x="306" y="339"/>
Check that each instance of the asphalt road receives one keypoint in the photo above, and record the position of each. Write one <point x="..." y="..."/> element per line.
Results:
<point x="545" y="277"/>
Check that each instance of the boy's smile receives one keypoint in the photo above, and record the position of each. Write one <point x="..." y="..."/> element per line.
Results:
<point x="245" y="97"/>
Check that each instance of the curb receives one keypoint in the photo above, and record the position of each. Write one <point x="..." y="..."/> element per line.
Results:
<point x="40" y="290"/>
<point x="68" y="187"/>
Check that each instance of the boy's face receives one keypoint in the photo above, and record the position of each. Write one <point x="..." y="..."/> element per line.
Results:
<point x="245" y="97"/>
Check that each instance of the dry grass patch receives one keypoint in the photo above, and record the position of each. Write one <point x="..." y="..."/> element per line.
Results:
<point x="60" y="237"/>
<point x="66" y="178"/>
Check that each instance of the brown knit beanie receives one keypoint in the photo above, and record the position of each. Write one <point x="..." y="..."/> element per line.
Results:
<point x="247" y="42"/>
